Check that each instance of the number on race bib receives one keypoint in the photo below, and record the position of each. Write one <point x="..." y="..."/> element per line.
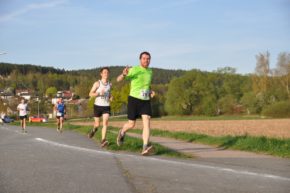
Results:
<point x="106" y="96"/>
<point x="145" y="94"/>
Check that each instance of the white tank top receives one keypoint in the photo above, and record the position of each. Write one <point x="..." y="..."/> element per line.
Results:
<point x="22" y="109"/>
<point x="103" y="100"/>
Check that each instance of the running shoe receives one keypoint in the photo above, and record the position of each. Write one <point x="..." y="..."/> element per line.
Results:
<point x="120" y="138"/>
<point x="92" y="132"/>
<point x="104" y="143"/>
<point x="147" y="150"/>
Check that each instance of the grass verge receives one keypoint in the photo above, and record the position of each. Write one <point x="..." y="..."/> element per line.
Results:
<point x="131" y="144"/>
<point x="271" y="146"/>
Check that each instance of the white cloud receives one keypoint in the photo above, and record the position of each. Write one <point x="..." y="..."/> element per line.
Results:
<point x="31" y="7"/>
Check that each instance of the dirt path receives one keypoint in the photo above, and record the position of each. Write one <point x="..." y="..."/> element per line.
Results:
<point x="200" y="150"/>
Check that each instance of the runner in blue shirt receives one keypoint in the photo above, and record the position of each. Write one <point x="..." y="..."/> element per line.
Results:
<point x="60" y="111"/>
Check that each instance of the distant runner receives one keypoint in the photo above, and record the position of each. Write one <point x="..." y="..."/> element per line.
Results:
<point x="2" y="116"/>
<point x="138" y="100"/>
<point x="102" y="91"/>
<point x="22" y="108"/>
<point x="60" y="112"/>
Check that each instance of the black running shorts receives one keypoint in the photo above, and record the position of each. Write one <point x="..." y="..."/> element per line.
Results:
<point x="23" y="117"/>
<point x="138" y="107"/>
<point x="100" y="110"/>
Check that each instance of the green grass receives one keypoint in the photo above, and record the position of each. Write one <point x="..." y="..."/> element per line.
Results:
<point x="131" y="144"/>
<point x="272" y="146"/>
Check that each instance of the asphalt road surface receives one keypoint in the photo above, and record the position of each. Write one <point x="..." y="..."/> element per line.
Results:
<point x="43" y="161"/>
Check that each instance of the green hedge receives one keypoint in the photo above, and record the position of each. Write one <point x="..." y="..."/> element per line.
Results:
<point x="278" y="110"/>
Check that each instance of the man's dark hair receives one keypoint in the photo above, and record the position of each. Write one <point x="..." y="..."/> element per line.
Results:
<point x="145" y="53"/>
<point x="104" y="68"/>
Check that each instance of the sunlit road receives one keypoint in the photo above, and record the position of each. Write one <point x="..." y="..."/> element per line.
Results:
<point x="43" y="161"/>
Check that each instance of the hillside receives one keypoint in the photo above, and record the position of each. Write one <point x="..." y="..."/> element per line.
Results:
<point x="161" y="76"/>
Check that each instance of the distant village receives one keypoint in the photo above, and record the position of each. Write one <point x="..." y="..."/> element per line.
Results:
<point x="11" y="99"/>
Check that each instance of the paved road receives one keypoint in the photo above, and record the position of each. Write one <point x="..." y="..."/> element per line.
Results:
<point x="44" y="161"/>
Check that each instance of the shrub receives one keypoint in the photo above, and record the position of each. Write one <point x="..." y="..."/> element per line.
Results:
<point x="209" y="106"/>
<point x="278" y="110"/>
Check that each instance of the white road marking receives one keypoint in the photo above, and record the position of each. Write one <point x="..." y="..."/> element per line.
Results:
<point x="228" y="170"/>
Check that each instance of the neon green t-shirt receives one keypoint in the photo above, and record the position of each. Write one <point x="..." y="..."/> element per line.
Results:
<point x="140" y="82"/>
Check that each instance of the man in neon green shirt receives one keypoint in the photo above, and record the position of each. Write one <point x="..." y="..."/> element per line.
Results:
<point x="138" y="100"/>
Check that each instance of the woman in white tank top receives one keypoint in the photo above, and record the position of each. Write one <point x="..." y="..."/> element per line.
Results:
<point x="102" y="91"/>
<point x="22" y="108"/>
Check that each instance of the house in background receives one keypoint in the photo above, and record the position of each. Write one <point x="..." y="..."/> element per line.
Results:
<point x="6" y="94"/>
<point x="67" y="95"/>
<point x="24" y="93"/>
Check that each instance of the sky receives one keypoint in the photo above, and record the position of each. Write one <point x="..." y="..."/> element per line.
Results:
<point x="179" y="34"/>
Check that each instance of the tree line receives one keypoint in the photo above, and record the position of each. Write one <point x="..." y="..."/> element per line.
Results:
<point x="194" y="92"/>
<point x="266" y="91"/>
<point x="44" y="82"/>
<point x="39" y="78"/>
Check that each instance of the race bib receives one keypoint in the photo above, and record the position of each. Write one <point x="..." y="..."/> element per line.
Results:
<point x="145" y="94"/>
<point x="58" y="114"/>
<point x="106" y="96"/>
